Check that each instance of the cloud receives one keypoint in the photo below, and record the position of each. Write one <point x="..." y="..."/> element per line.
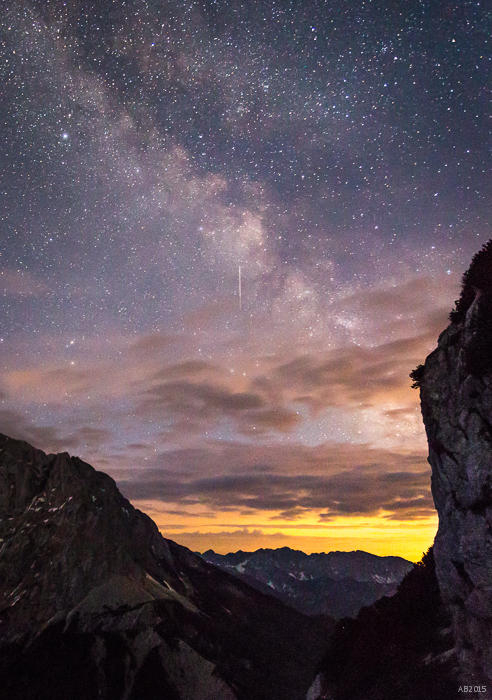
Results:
<point x="349" y="376"/>
<point x="151" y="343"/>
<point x="276" y="419"/>
<point x="54" y="384"/>
<point x="292" y="480"/>
<point x="203" y="396"/>
<point x="184" y="397"/>
<point x="180" y="397"/>
<point x="186" y="369"/>
<point x="192" y="405"/>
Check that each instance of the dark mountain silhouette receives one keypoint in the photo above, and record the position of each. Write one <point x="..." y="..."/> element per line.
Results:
<point x="401" y="647"/>
<point x="338" y="584"/>
<point x="456" y="398"/>
<point x="95" y="603"/>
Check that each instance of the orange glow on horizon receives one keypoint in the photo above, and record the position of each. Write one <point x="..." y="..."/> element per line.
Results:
<point x="232" y="531"/>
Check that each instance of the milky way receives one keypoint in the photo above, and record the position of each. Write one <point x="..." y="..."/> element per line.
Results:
<point x="229" y="230"/>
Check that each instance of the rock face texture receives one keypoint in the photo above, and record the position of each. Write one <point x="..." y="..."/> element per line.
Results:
<point x="95" y="603"/>
<point x="337" y="584"/>
<point x="456" y="397"/>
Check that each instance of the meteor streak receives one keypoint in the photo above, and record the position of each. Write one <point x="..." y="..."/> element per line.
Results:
<point x="239" y="288"/>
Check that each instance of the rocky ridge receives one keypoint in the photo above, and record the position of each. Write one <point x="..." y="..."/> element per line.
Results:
<point x="95" y="603"/>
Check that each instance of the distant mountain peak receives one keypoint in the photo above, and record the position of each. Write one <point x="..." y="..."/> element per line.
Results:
<point x="311" y="582"/>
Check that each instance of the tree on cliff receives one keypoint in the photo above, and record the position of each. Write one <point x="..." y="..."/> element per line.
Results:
<point x="477" y="280"/>
<point x="478" y="277"/>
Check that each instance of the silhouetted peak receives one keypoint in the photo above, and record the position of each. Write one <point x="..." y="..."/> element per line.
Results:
<point x="88" y="583"/>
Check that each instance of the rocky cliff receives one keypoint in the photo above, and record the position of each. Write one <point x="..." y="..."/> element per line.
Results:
<point x="456" y="396"/>
<point x="95" y="603"/>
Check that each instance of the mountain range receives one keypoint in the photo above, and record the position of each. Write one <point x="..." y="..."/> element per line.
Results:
<point x="337" y="584"/>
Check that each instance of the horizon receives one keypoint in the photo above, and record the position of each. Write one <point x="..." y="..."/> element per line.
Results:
<point x="296" y="551"/>
<point x="229" y="233"/>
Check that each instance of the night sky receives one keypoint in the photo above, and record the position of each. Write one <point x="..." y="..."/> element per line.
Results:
<point x="228" y="232"/>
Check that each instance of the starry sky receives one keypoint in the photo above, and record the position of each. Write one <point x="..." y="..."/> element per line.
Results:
<point x="228" y="232"/>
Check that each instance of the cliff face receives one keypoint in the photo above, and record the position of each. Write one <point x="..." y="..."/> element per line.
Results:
<point x="456" y="398"/>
